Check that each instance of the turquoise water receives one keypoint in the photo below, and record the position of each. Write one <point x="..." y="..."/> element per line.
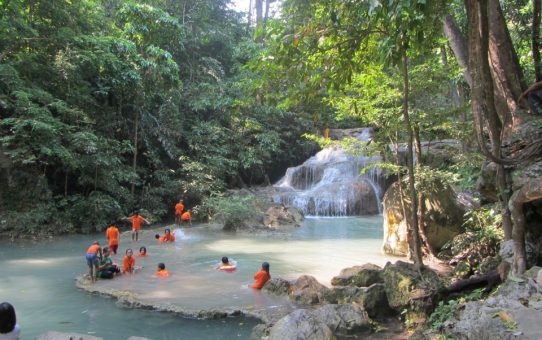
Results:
<point x="37" y="277"/>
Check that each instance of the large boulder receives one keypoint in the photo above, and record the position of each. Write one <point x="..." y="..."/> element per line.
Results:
<point x="409" y="292"/>
<point x="282" y="216"/>
<point x="307" y="290"/>
<point x="300" y="324"/>
<point x="277" y="286"/>
<point x="372" y="299"/>
<point x="343" y="319"/>
<point x="360" y="276"/>
<point x="444" y="218"/>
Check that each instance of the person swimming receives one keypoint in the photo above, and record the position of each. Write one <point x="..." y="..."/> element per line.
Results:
<point x="262" y="276"/>
<point x="129" y="262"/>
<point x="9" y="329"/>
<point x="226" y="265"/>
<point x="142" y="252"/>
<point x="162" y="271"/>
<point x="168" y="236"/>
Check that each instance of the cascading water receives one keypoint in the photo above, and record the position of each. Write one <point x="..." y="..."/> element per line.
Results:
<point x="330" y="184"/>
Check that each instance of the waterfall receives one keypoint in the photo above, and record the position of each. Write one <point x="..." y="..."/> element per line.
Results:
<point x="330" y="184"/>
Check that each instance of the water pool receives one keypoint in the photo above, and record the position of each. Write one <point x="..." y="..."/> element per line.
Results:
<point x="37" y="277"/>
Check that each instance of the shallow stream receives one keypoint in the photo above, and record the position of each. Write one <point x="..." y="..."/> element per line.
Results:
<point x="37" y="277"/>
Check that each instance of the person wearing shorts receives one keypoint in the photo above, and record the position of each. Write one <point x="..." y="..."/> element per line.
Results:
<point x="93" y="261"/>
<point x="112" y="234"/>
<point x="136" y="220"/>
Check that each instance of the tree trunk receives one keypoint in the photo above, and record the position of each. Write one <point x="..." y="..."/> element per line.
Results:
<point x="414" y="243"/>
<point x="458" y="46"/>
<point x="267" y="3"/>
<point x="531" y="191"/>
<point x="505" y="69"/>
<point x="482" y="98"/>
<point x="259" y="11"/>
<point x="536" y="40"/>
<point x="134" y="159"/>
<point x="249" y="22"/>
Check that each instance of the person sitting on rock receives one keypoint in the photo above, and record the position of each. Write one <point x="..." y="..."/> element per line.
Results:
<point x="162" y="271"/>
<point x="262" y="276"/>
<point x="106" y="268"/>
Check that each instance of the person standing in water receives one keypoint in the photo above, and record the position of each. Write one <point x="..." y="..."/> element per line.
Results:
<point x="262" y="276"/>
<point x="136" y="224"/>
<point x="179" y="207"/>
<point x="112" y="234"/>
<point x="9" y="329"/>
<point x="186" y="217"/>
<point x="93" y="261"/>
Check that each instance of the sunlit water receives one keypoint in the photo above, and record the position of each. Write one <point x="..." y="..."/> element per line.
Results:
<point x="37" y="278"/>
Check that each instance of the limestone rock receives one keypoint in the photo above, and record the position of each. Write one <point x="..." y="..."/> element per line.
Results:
<point x="259" y="331"/>
<point x="282" y="216"/>
<point x="507" y="252"/>
<point x="301" y="324"/>
<point x="444" y="218"/>
<point x="343" y="319"/>
<point x="360" y="276"/>
<point x="52" y="335"/>
<point x="406" y="290"/>
<point x="532" y="273"/>
<point x="372" y="299"/>
<point x="277" y="286"/>
<point x="307" y="290"/>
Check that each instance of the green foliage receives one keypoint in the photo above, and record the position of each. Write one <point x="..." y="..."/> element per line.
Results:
<point x="233" y="210"/>
<point x="448" y="310"/>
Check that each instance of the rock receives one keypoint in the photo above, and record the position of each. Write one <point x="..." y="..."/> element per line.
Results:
<point x="259" y="331"/>
<point x="277" y="286"/>
<point x="360" y="276"/>
<point x="52" y="335"/>
<point x="301" y="324"/>
<point x="502" y="315"/>
<point x="407" y="291"/>
<point x="532" y="273"/>
<point x="507" y="252"/>
<point x="444" y="218"/>
<point x="539" y="281"/>
<point x="462" y="270"/>
<point x="372" y="299"/>
<point x="343" y="319"/>
<point x="282" y="216"/>
<point x="490" y="263"/>
<point x="307" y="290"/>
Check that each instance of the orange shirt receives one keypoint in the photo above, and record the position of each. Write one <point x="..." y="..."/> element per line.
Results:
<point x="162" y="273"/>
<point x="142" y="255"/>
<point x="167" y="238"/>
<point x="179" y="207"/>
<point x="128" y="264"/>
<point x="93" y="249"/>
<point x="261" y="278"/>
<point x="186" y="216"/>
<point x="112" y="234"/>
<point x="136" y="221"/>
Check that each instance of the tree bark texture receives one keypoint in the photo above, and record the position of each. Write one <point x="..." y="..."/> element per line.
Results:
<point x="458" y="45"/>
<point x="134" y="159"/>
<point x="482" y="98"/>
<point x="505" y="68"/>
<point x="259" y="11"/>
<point x="414" y="243"/>
<point x="535" y="44"/>
<point x="531" y="191"/>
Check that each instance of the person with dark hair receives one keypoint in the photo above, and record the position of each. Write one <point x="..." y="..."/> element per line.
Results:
<point x="129" y="262"/>
<point x="226" y="265"/>
<point x="106" y="269"/>
<point x="136" y="220"/>
<point x="162" y="271"/>
<point x="94" y="253"/>
<point x="142" y="252"/>
<point x="9" y="330"/>
<point x="179" y="207"/>
<point x="168" y="236"/>
<point x="262" y="276"/>
<point x="112" y="234"/>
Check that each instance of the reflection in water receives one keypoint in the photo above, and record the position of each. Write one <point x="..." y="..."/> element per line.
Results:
<point x="38" y="278"/>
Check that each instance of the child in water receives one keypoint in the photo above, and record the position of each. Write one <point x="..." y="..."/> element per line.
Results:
<point x="162" y="271"/>
<point x="142" y="252"/>
<point x="129" y="262"/>
<point x="262" y="276"/>
<point x="226" y="265"/>
<point x="168" y="236"/>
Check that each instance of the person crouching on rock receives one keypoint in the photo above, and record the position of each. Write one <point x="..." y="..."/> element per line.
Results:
<point x="162" y="271"/>
<point x="129" y="262"/>
<point x="262" y="276"/>
<point x="186" y="217"/>
<point x="106" y="269"/>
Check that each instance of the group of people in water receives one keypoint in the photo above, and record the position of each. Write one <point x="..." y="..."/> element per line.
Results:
<point x="100" y="262"/>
